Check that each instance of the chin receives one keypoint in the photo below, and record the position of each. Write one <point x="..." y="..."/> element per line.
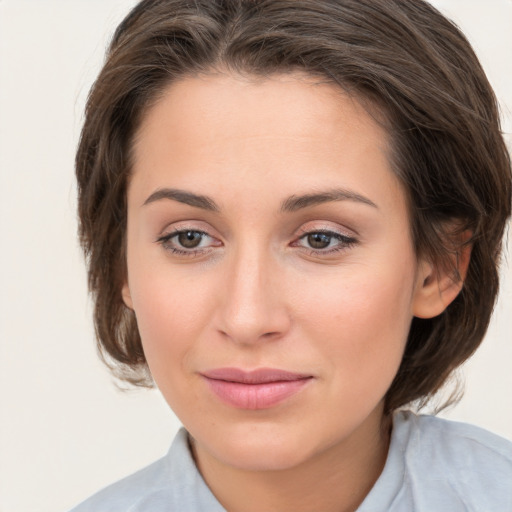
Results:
<point x="256" y="448"/>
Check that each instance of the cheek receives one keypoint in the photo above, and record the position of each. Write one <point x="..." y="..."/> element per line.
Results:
<point x="172" y="312"/>
<point x="360" y="320"/>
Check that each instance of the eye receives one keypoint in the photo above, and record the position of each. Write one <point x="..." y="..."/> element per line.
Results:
<point x="189" y="239"/>
<point x="319" y="240"/>
<point x="325" y="242"/>
<point x="187" y="242"/>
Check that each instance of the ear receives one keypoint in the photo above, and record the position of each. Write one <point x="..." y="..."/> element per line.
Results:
<point x="437" y="287"/>
<point x="127" y="297"/>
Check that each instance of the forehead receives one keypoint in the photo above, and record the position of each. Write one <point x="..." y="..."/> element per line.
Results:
<point x="291" y="104"/>
<point x="291" y="131"/>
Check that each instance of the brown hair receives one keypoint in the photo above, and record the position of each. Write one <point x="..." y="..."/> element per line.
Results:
<point x="401" y="55"/>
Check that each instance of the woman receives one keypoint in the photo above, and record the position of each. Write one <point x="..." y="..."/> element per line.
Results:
<point x="289" y="209"/>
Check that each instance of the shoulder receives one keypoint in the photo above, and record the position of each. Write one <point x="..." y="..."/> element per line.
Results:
<point x="127" y="493"/>
<point x="452" y="442"/>
<point x="460" y="463"/>
<point x="130" y="492"/>
<point x="436" y="464"/>
<point x="168" y="484"/>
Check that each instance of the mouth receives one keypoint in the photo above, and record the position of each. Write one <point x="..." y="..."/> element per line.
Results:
<point x="257" y="389"/>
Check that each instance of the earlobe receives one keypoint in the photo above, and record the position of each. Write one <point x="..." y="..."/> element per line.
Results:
<point x="437" y="288"/>
<point x="127" y="298"/>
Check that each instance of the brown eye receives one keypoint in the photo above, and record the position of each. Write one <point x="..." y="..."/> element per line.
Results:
<point x="188" y="242"/>
<point x="190" y="239"/>
<point x="319" y="240"/>
<point x="325" y="243"/>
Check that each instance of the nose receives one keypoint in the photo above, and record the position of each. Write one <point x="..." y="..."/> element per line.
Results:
<point x="252" y="305"/>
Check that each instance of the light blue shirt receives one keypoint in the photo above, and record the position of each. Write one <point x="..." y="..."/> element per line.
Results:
<point x="433" y="465"/>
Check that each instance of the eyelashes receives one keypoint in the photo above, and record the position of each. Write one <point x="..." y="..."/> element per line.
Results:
<point x="194" y="242"/>
<point x="324" y="242"/>
<point x="188" y="242"/>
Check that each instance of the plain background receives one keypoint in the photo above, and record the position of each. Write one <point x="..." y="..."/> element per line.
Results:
<point x="65" y="429"/>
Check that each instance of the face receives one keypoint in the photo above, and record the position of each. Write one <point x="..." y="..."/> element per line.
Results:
<point x="270" y="265"/>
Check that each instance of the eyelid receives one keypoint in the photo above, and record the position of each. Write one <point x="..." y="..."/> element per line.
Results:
<point x="346" y="239"/>
<point x="326" y="227"/>
<point x="172" y="231"/>
<point x="188" y="225"/>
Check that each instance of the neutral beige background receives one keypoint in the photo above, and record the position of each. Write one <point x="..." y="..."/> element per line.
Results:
<point x="65" y="430"/>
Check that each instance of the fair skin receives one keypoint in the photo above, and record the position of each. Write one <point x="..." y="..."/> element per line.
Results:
<point x="227" y="269"/>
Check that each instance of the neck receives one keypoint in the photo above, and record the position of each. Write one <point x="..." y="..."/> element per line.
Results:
<point x="337" y="479"/>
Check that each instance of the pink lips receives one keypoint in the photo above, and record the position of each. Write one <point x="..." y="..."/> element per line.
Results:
<point x="257" y="389"/>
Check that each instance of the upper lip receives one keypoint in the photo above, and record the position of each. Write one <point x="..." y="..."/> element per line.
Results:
<point x="258" y="376"/>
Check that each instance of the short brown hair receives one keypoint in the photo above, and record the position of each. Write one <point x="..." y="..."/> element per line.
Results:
<point x="402" y="56"/>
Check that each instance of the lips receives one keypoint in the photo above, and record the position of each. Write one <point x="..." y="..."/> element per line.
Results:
<point x="258" y="389"/>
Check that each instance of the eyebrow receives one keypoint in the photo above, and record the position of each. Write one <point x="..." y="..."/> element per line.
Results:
<point x="291" y="204"/>
<point x="295" y="203"/>
<point x="196" y="200"/>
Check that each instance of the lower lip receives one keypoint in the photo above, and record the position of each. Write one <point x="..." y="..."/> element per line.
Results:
<point x="255" y="396"/>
